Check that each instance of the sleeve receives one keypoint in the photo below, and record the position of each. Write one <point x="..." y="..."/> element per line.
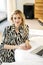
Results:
<point x="2" y="43"/>
<point x="8" y="36"/>
<point x="4" y="36"/>
<point x="26" y="34"/>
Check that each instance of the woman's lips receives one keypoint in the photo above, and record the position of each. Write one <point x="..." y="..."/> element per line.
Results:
<point x="17" y="22"/>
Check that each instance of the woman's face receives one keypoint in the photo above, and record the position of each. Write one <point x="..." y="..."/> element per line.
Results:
<point x="17" y="20"/>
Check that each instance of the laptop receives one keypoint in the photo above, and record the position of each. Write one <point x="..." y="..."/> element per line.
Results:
<point x="38" y="51"/>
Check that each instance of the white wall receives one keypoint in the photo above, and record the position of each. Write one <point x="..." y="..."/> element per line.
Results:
<point x="11" y="6"/>
<point x="3" y="5"/>
<point x="19" y="3"/>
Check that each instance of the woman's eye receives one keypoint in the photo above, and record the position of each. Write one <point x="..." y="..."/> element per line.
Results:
<point x="14" y="17"/>
<point x="18" y="17"/>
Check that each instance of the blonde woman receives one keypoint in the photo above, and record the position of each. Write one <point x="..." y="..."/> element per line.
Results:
<point x="15" y="36"/>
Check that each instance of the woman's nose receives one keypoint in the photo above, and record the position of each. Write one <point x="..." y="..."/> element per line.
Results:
<point x="17" y="20"/>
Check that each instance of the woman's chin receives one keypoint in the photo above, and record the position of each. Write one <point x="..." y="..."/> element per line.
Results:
<point x="17" y="25"/>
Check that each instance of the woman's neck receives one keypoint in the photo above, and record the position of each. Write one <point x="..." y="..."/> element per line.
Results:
<point x="17" y="29"/>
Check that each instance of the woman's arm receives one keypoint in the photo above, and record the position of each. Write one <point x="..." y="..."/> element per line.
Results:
<point x="24" y="46"/>
<point x="11" y="46"/>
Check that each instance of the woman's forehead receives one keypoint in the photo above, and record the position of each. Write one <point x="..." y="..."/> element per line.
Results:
<point x="16" y="15"/>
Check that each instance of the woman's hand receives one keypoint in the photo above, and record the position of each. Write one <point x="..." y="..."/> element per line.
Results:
<point x="27" y="44"/>
<point x="23" y="46"/>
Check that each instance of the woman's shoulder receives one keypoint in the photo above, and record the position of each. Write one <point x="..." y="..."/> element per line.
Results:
<point x="8" y="27"/>
<point x="26" y="26"/>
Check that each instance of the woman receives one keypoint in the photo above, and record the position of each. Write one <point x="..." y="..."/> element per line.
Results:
<point x="15" y="36"/>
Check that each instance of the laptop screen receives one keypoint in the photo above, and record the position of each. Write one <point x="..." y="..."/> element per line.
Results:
<point x="40" y="53"/>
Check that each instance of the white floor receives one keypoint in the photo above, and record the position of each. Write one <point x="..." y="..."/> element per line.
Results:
<point x="34" y="24"/>
<point x="3" y="25"/>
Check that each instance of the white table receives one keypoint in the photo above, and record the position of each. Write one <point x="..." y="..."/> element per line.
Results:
<point x="24" y="63"/>
<point x="21" y="55"/>
<point x="26" y="57"/>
